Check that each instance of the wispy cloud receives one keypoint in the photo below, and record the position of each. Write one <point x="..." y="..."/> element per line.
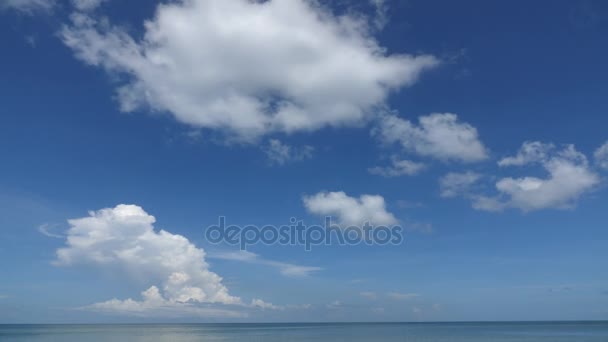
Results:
<point x="284" y="268"/>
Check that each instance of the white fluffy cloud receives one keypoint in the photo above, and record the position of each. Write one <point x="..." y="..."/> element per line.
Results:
<point x="569" y="177"/>
<point x="28" y="6"/>
<point x="350" y="211"/>
<point x="248" y="67"/>
<point x="124" y="239"/>
<point x="530" y="152"/>
<point x="457" y="184"/>
<point x="280" y="153"/>
<point x="439" y="136"/>
<point x="285" y="268"/>
<point x="398" y="167"/>
<point x="601" y="156"/>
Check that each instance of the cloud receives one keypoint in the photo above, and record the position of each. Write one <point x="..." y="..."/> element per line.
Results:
<point x="258" y="303"/>
<point x="368" y="295"/>
<point x="45" y="230"/>
<point x="286" y="269"/>
<point x="154" y="305"/>
<point x="569" y="177"/>
<point x="248" y="68"/>
<point x="398" y="167"/>
<point x="457" y="184"/>
<point x="28" y="6"/>
<point x="530" y="152"/>
<point x="601" y="156"/>
<point x="402" y="296"/>
<point x="350" y="211"/>
<point x="124" y="239"/>
<point x="381" y="15"/>
<point x="280" y="153"/>
<point x="87" y="5"/>
<point x="439" y="136"/>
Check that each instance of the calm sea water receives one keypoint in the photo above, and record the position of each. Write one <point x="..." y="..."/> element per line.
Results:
<point x="412" y="332"/>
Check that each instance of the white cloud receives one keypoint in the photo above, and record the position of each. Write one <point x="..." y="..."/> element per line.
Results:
<point x="381" y="17"/>
<point x="45" y="230"/>
<point x="398" y="167"/>
<point x="153" y="304"/>
<point x="28" y="6"/>
<point x="280" y="153"/>
<point x="87" y="5"/>
<point x="439" y="136"/>
<point x="286" y="269"/>
<point x="457" y="184"/>
<point x="601" y="156"/>
<point x="124" y="239"/>
<point x="530" y="152"/>
<point x="402" y="296"/>
<point x="350" y="211"/>
<point x="248" y="67"/>
<point x="258" y="303"/>
<point x="368" y="295"/>
<point x="569" y="177"/>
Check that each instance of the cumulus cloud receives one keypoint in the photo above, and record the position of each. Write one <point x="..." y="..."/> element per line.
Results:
<point x="280" y="153"/>
<point x="286" y="269"/>
<point x="258" y="303"/>
<point x="398" y="167"/>
<point x="368" y="294"/>
<point x="248" y="67"/>
<point x="530" y="152"/>
<point x="28" y="6"/>
<point x="124" y="239"/>
<point x="601" y="156"/>
<point x="439" y="136"/>
<point x="569" y="177"/>
<point x="350" y="211"/>
<point x="457" y="184"/>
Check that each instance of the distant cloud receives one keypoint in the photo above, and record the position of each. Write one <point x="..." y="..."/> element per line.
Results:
<point x="601" y="156"/>
<point x="402" y="296"/>
<point x="45" y="229"/>
<point x="294" y="66"/>
<point x="439" y="136"/>
<point x="530" y="152"/>
<point x="458" y="184"/>
<point x="398" y="167"/>
<point x="350" y="211"/>
<point x="368" y="295"/>
<point x="87" y="5"/>
<point x="569" y="177"/>
<point x="123" y="239"/>
<point x="28" y="6"/>
<point x="286" y="269"/>
<point x="280" y="153"/>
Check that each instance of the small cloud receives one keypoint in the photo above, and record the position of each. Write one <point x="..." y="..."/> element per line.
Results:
<point x="29" y="7"/>
<point x="398" y="167"/>
<point x="402" y="296"/>
<point x="457" y="184"/>
<point x="281" y="154"/>
<point x="45" y="230"/>
<point x="378" y="311"/>
<point x="286" y="269"/>
<point x="350" y="211"/>
<point x="368" y="295"/>
<point x="260" y="304"/>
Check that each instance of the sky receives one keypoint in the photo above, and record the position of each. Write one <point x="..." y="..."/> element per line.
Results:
<point x="127" y="129"/>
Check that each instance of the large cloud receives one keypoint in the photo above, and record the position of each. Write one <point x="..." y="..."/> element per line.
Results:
<point x="350" y="211"/>
<point x="440" y="135"/>
<point x="248" y="67"/>
<point x="123" y="238"/>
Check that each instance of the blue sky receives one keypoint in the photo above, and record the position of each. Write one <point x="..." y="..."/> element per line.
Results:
<point x="480" y="127"/>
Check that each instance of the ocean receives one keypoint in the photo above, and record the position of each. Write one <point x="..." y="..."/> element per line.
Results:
<point x="411" y="332"/>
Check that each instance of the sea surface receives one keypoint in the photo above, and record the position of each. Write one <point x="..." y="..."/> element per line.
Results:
<point x="413" y="332"/>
